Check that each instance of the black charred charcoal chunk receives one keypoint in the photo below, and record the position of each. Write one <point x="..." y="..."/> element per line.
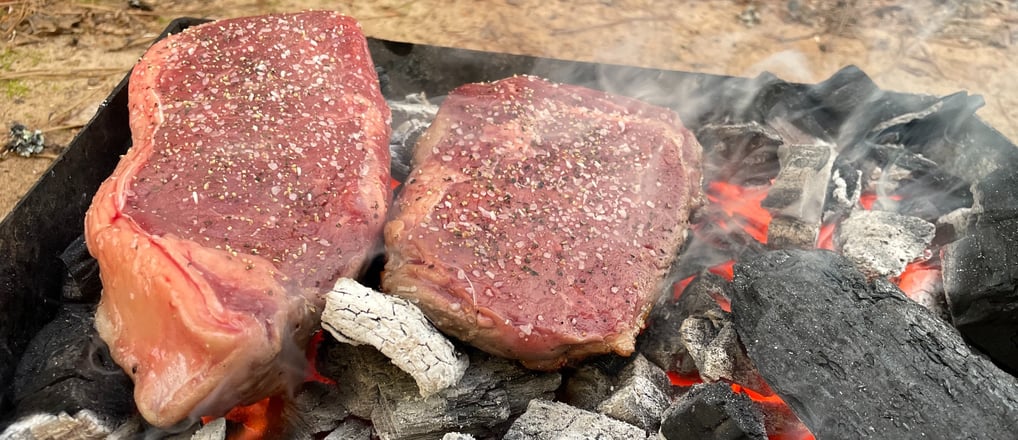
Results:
<point x="713" y="412"/>
<point x="66" y="367"/>
<point x="81" y="281"/>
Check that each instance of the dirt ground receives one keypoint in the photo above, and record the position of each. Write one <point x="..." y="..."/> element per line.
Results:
<point x="59" y="59"/>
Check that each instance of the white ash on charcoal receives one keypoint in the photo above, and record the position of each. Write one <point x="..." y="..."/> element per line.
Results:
<point x="713" y="411"/>
<point x="641" y="394"/>
<point x="457" y="436"/>
<point x="979" y="271"/>
<point x="845" y="191"/>
<point x="712" y="342"/>
<point x="547" y="420"/>
<point x="796" y="199"/>
<point x="411" y="117"/>
<point x="66" y="368"/>
<point x="744" y="154"/>
<point x="356" y="315"/>
<point x="351" y="429"/>
<point x="214" y="430"/>
<point x="857" y="359"/>
<point x="482" y="403"/>
<point x="662" y="341"/>
<point x="83" y="425"/>
<point x="882" y="243"/>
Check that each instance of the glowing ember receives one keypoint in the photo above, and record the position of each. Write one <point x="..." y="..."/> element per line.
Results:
<point x="253" y="421"/>
<point x="826" y="238"/>
<point x="312" y="374"/>
<point x="918" y="278"/>
<point x="743" y="205"/>
<point x="868" y="199"/>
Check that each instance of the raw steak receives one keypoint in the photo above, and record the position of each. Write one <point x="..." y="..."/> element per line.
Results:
<point x="540" y="219"/>
<point x="259" y="176"/>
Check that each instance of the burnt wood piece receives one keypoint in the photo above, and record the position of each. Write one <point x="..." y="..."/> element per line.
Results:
<point x="859" y="360"/>
<point x="546" y="420"/>
<point x="713" y="412"/>
<point x="797" y="196"/>
<point x="980" y="273"/>
<point x="411" y="117"/>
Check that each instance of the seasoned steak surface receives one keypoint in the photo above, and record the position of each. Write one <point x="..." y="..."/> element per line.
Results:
<point x="258" y="176"/>
<point x="540" y="219"/>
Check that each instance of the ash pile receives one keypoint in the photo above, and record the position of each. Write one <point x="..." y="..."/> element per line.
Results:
<point x="794" y="340"/>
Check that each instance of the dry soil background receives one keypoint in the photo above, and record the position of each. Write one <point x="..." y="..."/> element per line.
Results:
<point x="59" y="59"/>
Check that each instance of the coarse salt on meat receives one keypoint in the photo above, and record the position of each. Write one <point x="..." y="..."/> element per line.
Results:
<point x="540" y="219"/>
<point x="258" y="176"/>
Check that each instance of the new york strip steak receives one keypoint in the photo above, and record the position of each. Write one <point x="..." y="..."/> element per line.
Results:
<point x="540" y="219"/>
<point x="258" y="176"/>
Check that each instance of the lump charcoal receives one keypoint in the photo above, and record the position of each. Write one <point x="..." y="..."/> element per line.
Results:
<point x="844" y="191"/>
<point x="491" y="392"/>
<point x="457" y="436"/>
<point x="81" y="280"/>
<point x="743" y="154"/>
<point x="351" y="429"/>
<point x="661" y="341"/>
<point x="214" y="430"/>
<point x="638" y="395"/>
<point x="796" y="199"/>
<point x="859" y="360"/>
<point x="317" y="408"/>
<point x="980" y="278"/>
<point x="546" y="420"/>
<point x="882" y="243"/>
<point x="639" y="402"/>
<point x="66" y="367"/>
<point x="713" y="411"/>
<point x="981" y="286"/>
<point x="356" y="314"/>
<point x="640" y="367"/>
<point x="587" y="387"/>
<point x="712" y="342"/>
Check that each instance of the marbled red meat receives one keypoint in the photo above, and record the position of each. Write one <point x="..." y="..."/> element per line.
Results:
<point x="540" y="219"/>
<point x="258" y="176"/>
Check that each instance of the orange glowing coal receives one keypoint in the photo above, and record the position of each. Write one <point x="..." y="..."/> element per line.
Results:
<point x="743" y="206"/>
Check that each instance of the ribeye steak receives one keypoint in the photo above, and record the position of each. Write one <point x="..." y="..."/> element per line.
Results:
<point x="258" y="176"/>
<point x="540" y="219"/>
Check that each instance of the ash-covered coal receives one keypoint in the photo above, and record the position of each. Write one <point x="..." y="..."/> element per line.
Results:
<point x="882" y="243"/>
<point x="856" y="359"/>
<point x="547" y="420"/>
